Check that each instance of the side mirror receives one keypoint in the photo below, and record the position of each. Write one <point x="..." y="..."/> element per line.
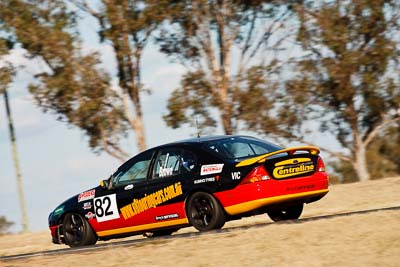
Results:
<point x="104" y="184"/>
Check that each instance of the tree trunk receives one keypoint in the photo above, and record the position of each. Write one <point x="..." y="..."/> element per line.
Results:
<point x="360" y="162"/>
<point x="226" y="120"/>
<point x="140" y="134"/>
<point x="24" y="219"/>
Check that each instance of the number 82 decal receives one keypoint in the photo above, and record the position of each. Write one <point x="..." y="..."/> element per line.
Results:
<point x="106" y="208"/>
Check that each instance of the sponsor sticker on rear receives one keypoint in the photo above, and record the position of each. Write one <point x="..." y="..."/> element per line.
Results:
<point x="211" y="169"/>
<point x="86" y="195"/>
<point x="293" y="167"/>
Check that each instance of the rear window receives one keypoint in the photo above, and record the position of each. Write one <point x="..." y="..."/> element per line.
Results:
<point x="240" y="147"/>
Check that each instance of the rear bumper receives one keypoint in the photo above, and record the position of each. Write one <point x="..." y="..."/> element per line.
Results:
<point x="249" y="197"/>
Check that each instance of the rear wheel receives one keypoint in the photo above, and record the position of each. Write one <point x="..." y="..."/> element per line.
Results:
<point x="204" y="212"/>
<point x="289" y="213"/>
<point x="77" y="231"/>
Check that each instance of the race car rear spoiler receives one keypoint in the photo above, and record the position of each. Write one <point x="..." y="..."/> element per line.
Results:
<point x="290" y="151"/>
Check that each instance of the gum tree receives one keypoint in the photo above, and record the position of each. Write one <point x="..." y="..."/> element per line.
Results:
<point x="67" y="83"/>
<point x="348" y="77"/>
<point x="221" y="43"/>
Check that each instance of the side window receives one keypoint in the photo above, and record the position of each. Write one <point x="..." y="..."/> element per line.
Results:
<point x="137" y="170"/>
<point x="239" y="149"/>
<point x="259" y="149"/>
<point x="172" y="162"/>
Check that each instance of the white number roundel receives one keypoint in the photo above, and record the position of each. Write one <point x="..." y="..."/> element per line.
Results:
<point x="106" y="208"/>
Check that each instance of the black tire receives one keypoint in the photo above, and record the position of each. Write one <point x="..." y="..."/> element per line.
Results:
<point x="289" y="213"/>
<point x="160" y="233"/>
<point x="77" y="231"/>
<point x="204" y="212"/>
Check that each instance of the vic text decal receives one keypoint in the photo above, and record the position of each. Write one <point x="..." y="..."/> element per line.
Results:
<point x="106" y="208"/>
<point x="151" y="201"/>
<point x="235" y="175"/>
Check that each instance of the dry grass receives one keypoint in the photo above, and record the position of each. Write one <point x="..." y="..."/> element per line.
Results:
<point x="365" y="239"/>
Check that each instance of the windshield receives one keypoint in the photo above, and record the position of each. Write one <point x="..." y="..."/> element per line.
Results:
<point x="240" y="147"/>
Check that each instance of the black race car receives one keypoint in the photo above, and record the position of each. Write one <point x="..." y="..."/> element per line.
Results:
<point x="200" y="182"/>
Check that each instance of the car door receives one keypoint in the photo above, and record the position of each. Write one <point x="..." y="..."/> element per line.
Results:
<point x="121" y="209"/>
<point x="170" y="178"/>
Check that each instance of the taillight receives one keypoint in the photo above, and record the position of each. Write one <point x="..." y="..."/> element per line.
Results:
<point x="256" y="175"/>
<point x="320" y="165"/>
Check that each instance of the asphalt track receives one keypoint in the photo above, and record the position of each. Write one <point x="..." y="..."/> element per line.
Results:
<point x="141" y="242"/>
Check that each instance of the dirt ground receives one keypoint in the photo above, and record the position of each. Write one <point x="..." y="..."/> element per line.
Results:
<point x="356" y="239"/>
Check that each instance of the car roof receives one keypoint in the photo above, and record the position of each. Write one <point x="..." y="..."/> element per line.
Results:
<point x="204" y="139"/>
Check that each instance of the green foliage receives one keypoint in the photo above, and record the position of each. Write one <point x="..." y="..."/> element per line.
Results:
<point x="346" y="80"/>
<point x="382" y="157"/>
<point x="128" y="26"/>
<point x="71" y="85"/>
<point x="350" y="65"/>
<point x="202" y="36"/>
<point x="81" y="96"/>
<point x="195" y="95"/>
<point x="383" y="154"/>
<point x="4" y="225"/>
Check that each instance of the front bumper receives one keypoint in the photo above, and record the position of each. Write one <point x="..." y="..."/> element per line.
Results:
<point x="57" y="237"/>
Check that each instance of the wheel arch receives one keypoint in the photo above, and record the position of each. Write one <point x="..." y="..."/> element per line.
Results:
<point x="74" y="210"/>
<point x="204" y="190"/>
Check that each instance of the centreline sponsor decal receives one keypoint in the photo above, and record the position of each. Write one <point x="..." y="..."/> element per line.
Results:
<point x="298" y="166"/>
<point x="204" y="180"/>
<point x="86" y="195"/>
<point x="151" y="201"/>
<point x="211" y="169"/>
<point x="166" y="217"/>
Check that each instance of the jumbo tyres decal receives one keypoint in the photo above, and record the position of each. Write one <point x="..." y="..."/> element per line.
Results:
<point x="204" y="180"/>
<point x="151" y="201"/>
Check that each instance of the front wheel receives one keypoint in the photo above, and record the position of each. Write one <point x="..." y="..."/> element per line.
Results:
<point x="77" y="231"/>
<point x="204" y="212"/>
<point x="289" y="213"/>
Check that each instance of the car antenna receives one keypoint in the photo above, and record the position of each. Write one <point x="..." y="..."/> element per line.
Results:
<point x="197" y="127"/>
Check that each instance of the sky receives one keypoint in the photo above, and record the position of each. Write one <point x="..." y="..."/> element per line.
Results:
<point x="55" y="159"/>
